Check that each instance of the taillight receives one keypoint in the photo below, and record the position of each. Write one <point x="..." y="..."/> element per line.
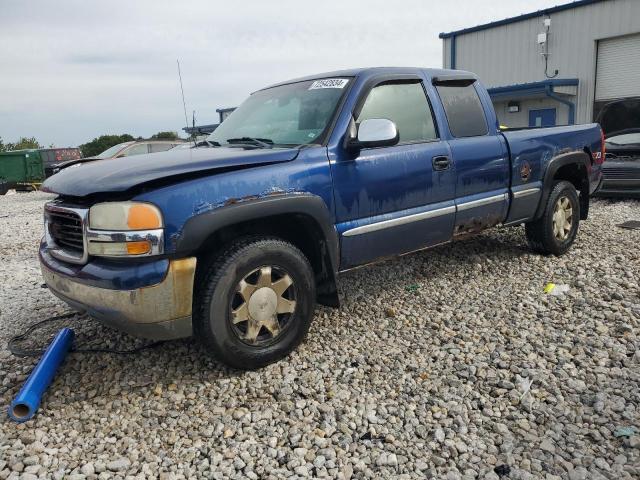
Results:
<point x="603" y="148"/>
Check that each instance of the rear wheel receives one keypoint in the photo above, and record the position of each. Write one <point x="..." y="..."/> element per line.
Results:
<point x="556" y="230"/>
<point x="4" y="187"/>
<point x="254" y="303"/>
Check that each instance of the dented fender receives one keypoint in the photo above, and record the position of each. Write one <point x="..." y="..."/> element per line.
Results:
<point x="200" y="227"/>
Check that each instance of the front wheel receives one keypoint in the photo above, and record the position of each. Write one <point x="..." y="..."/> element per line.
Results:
<point x="556" y="230"/>
<point x="254" y="303"/>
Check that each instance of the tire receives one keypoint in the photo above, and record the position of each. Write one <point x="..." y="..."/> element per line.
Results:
<point x="221" y="297"/>
<point x="546" y="235"/>
<point x="4" y="187"/>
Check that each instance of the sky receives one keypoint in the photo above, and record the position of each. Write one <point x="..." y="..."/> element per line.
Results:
<point x="73" y="70"/>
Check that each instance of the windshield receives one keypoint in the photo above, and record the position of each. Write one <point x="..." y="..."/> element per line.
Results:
<point x="110" y="152"/>
<point x="625" y="139"/>
<point x="293" y="114"/>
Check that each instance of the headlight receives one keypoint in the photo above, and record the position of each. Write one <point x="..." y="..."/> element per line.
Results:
<point x="124" y="216"/>
<point x="119" y="229"/>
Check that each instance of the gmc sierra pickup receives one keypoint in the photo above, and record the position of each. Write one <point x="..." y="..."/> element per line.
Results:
<point x="236" y="240"/>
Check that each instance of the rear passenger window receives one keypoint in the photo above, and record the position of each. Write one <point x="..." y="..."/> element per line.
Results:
<point x="464" y="110"/>
<point x="406" y="105"/>
<point x="136" y="149"/>
<point x="159" y="147"/>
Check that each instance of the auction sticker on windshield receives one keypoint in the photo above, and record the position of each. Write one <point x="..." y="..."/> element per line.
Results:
<point x="329" y="83"/>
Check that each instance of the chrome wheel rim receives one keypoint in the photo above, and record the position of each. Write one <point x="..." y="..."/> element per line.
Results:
<point x="562" y="219"/>
<point x="262" y="305"/>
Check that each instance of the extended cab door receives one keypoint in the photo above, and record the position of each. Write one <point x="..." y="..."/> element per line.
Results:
<point x="479" y="153"/>
<point x="396" y="199"/>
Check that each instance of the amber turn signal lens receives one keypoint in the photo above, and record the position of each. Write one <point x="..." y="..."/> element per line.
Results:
<point x="138" y="248"/>
<point x="143" y="217"/>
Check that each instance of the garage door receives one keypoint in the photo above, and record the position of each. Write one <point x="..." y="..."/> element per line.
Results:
<point x="618" y="71"/>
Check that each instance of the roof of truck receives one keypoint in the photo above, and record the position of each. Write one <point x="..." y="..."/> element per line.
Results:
<point x="370" y="71"/>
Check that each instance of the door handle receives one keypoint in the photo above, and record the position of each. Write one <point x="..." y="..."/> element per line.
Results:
<point x="441" y="162"/>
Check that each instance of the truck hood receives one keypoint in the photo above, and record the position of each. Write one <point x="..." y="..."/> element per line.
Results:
<point x="121" y="174"/>
<point x="619" y="116"/>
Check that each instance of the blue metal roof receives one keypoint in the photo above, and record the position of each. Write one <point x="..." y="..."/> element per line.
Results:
<point x="532" y="88"/>
<point x="525" y="16"/>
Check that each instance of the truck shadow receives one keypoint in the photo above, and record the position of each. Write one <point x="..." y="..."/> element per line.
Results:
<point x="507" y="245"/>
<point x="458" y="256"/>
<point x="156" y="371"/>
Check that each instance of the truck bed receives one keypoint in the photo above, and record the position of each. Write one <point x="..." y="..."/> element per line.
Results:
<point x="536" y="146"/>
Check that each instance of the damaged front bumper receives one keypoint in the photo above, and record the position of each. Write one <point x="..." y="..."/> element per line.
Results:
<point x="160" y="311"/>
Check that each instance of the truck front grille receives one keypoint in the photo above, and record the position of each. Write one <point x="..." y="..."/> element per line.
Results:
<point x="621" y="173"/>
<point x="64" y="232"/>
<point x="65" y="229"/>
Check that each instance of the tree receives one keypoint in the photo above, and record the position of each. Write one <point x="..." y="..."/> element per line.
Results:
<point x="101" y="143"/>
<point x="165" y="136"/>
<point x="22" y="144"/>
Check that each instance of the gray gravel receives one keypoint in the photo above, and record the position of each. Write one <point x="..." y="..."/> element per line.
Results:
<point x="422" y="373"/>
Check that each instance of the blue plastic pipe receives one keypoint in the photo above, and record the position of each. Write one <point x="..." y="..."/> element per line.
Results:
<point x="26" y="403"/>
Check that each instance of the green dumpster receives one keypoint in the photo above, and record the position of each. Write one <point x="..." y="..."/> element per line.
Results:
<point x="20" y="169"/>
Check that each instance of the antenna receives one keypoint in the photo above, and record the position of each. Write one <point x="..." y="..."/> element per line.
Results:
<point x="184" y="105"/>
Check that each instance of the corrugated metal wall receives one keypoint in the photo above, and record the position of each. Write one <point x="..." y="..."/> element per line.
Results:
<point x="509" y="54"/>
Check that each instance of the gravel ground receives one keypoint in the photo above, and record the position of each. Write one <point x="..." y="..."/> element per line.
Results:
<point x="422" y="373"/>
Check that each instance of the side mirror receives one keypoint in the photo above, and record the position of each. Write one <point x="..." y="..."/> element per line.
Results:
<point x="375" y="132"/>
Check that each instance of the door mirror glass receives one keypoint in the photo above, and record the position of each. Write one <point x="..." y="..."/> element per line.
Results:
<point x="377" y="132"/>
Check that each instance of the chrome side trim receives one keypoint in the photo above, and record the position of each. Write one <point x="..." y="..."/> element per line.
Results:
<point x="483" y="201"/>
<point x="416" y="217"/>
<point x="394" y="222"/>
<point x="525" y="193"/>
<point x="155" y="237"/>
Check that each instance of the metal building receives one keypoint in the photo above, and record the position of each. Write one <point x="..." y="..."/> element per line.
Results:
<point x="556" y="66"/>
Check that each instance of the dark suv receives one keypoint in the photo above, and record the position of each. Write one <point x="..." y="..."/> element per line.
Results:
<point x="620" y="121"/>
<point x="51" y="157"/>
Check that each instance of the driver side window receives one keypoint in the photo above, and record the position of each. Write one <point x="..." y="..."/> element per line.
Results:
<point x="406" y="105"/>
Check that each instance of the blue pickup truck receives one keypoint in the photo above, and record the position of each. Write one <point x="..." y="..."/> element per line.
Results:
<point x="235" y="241"/>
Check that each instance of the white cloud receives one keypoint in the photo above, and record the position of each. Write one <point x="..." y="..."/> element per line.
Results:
<point x="73" y="70"/>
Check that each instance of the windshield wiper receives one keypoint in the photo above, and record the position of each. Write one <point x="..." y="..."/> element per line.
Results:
<point x="258" y="142"/>
<point x="208" y="143"/>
